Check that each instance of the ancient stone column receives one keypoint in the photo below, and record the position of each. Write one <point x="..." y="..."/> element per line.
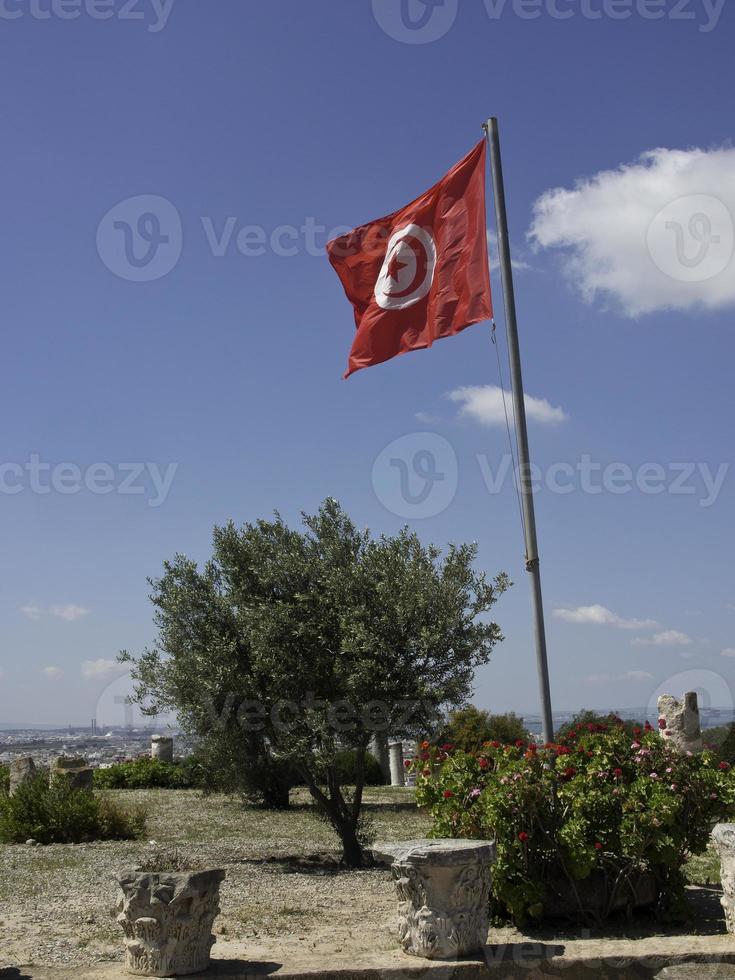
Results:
<point x="75" y="771"/>
<point x="22" y="770"/>
<point x="379" y="751"/>
<point x="162" y="748"/>
<point x="679" y="722"/>
<point x="723" y="839"/>
<point x="167" y="920"/>
<point x="397" y="772"/>
<point x="443" y="889"/>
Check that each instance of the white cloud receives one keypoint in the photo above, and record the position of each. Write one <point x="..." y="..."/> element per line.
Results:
<point x="517" y="264"/>
<point x="69" y="613"/>
<point x="667" y="638"/>
<point x="656" y="234"/>
<point x="729" y="652"/>
<point x="53" y="673"/>
<point x="100" y="668"/>
<point x="602" y="616"/>
<point x="637" y="675"/>
<point x="484" y="404"/>
<point x="597" y="680"/>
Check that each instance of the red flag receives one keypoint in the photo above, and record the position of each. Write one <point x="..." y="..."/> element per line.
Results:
<point x="421" y="272"/>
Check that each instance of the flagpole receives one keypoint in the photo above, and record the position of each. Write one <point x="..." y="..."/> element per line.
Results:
<point x="519" y="407"/>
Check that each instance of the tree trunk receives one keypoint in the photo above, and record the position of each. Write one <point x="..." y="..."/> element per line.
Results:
<point x="352" y="852"/>
<point x="276" y="795"/>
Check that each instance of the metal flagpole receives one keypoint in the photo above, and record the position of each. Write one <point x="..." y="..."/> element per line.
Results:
<point x="519" y="407"/>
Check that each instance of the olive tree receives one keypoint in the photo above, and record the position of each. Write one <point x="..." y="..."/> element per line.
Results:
<point x="291" y="645"/>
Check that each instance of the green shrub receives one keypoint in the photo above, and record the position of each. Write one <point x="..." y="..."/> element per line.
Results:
<point x="598" y="806"/>
<point x="585" y="718"/>
<point x="4" y="780"/>
<point x="50" y="812"/>
<point x="346" y="767"/>
<point x="147" y="773"/>
<point x="469" y="727"/>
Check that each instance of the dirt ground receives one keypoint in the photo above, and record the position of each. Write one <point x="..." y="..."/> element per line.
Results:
<point x="285" y="902"/>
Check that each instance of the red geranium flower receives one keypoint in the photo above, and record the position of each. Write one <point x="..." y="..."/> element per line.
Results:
<point x="448" y="794"/>
<point x="598" y="846"/>
<point x="523" y="836"/>
<point x="662" y="723"/>
<point x="617" y="773"/>
<point x="483" y="763"/>
<point x="724" y="765"/>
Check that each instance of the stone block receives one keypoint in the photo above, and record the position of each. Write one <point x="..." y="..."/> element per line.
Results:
<point x="723" y="839"/>
<point x="162" y="748"/>
<point x="75" y="771"/>
<point x="167" y="919"/>
<point x="680" y="721"/>
<point x="22" y="770"/>
<point x="443" y="889"/>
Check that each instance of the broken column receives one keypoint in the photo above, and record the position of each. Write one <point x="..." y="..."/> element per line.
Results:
<point x="75" y="771"/>
<point x="679" y="722"/>
<point x="397" y="771"/>
<point x="723" y="840"/>
<point x="22" y="770"/>
<point x="443" y="889"/>
<point x="162" y="748"/>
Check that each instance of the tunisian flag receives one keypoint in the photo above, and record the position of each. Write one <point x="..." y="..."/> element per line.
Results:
<point x="421" y="272"/>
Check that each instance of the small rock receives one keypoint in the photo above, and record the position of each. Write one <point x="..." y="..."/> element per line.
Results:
<point x="31" y="842"/>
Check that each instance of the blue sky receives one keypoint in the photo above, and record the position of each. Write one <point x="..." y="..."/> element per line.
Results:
<point x="220" y="382"/>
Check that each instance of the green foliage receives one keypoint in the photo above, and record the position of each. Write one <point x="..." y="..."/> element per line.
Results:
<point x="587" y="717"/>
<point x="4" y="780"/>
<point x="596" y="806"/>
<point x="722" y="739"/>
<point x="346" y="767"/>
<point x="50" y="812"/>
<point x="148" y="773"/>
<point x="470" y="727"/>
<point x="291" y="645"/>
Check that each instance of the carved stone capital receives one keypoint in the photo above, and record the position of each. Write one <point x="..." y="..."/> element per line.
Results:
<point x="443" y="889"/>
<point x="167" y="920"/>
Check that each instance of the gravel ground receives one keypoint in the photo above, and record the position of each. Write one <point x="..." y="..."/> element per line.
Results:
<point x="284" y="896"/>
<point x="57" y="902"/>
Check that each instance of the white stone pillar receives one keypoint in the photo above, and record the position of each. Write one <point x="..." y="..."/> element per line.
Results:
<point x="679" y="722"/>
<point x="397" y="772"/>
<point x="162" y="748"/>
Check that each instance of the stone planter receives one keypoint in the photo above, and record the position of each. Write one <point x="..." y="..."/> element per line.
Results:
<point x="443" y="889"/>
<point x="723" y="839"/>
<point x="167" y="920"/>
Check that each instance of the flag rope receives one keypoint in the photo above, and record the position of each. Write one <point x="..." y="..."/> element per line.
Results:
<point x="494" y="339"/>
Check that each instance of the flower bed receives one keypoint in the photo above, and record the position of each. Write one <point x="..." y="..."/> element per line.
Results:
<point x="598" y="822"/>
